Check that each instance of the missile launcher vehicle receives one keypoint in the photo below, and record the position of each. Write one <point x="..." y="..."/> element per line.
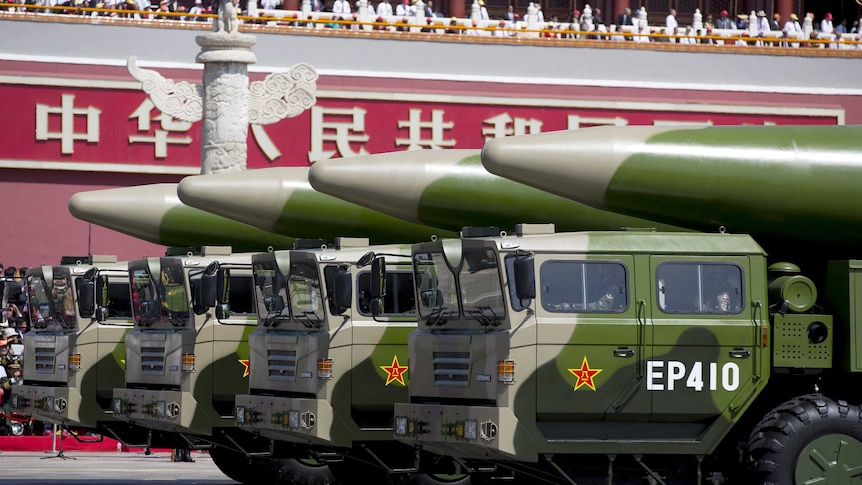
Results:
<point x="633" y="357"/>
<point x="187" y="358"/>
<point x="73" y="355"/>
<point x="325" y="372"/>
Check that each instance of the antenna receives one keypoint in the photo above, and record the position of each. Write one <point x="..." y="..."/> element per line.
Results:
<point x="90" y="240"/>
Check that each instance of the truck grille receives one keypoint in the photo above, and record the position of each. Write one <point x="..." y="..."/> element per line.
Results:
<point x="153" y="360"/>
<point x="45" y="360"/>
<point x="452" y="368"/>
<point x="281" y="364"/>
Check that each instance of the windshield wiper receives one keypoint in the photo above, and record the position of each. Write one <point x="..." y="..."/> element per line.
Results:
<point x="484" y="319"/>
<point x="309" y="322"/>
<point x="438" y="316"/>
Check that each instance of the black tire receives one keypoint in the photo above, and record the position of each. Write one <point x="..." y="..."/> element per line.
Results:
<point x="350" y="471"/>
<point x="809" y="437"/>
<point x="269" y="470"/>
<point x="435" y="479"/>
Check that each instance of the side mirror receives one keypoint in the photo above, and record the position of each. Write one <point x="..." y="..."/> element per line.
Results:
<point x="206" y="296"/>
<point x="223" y="286"/>
<point x="365" y="260"/>
<point x="525" y="277"/>
<point x="222" y="311"/>
<point x="86" y="298"/>
<point x="273" y="304"/>
<point x="343" y="291"/>
<point x="378" y="278"/>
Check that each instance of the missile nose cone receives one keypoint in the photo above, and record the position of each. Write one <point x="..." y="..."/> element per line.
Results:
<point x="122" y="210"/>
<point x="580" y="162"/>
<point x="392" y="183"/>
<point x="255" y="197"/>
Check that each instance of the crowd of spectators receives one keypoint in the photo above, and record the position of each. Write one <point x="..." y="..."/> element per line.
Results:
<point x="14" y="323"/>
<point x="753" y="28"/>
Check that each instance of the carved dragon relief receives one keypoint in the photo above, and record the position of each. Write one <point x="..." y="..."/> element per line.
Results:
<point x="278" y="96"/>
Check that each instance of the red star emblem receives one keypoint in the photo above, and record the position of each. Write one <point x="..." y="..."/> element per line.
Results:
<point x="395" y="371"/>
<point x="585" y="375"/>
<point x="245" y="364"/>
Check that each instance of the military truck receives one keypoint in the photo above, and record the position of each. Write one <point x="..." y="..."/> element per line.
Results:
<point x="633" y="357"/>
<point x="73" y="355"/>
<point x="325" y="371"/>
<point x="187" y="358"/>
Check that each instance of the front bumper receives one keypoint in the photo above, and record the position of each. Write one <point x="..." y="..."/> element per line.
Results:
<point x="61" y="405"/>
<point x="172" y="411"/>
<point x="307" y="421"/>
<point x="477" y="432"/>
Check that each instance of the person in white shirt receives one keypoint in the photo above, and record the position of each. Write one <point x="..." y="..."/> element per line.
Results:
<point x="826" y="24"/>
<point x="341" y="6"/>
<point x="670" y="22"/>
<point x="384" y="9"/>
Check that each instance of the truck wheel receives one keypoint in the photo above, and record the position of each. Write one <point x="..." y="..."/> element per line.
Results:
<point x="436" y="479"/>
<point x="809" y="439"/>
<point x="269" y="470"/>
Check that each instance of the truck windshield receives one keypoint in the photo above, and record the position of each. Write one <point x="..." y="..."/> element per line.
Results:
<point x="306" y="298"/>
<point x="481" y="287"/>
<point x="160" y="300"/>
<point x="271" y="294"/>
<point x="435" y="283"/>
<point x="52" y="305"/>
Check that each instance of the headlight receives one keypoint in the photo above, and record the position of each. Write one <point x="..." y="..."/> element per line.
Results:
<point x="470" y="429"/>
<point x="160" y="409"/>
<point x="400" y="425"/>
<point x="293" y="418"/>
<point x="117" y="404"/>
<point x="239" y="414"/>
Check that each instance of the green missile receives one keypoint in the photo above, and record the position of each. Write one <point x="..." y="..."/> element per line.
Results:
<point x="451" y="189"/>
<point x="281" y="200"/>
<point x="778" y="183"/>
<point x="154" y="213"/>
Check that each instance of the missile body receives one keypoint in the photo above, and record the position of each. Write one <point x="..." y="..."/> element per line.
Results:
<point x="451" y="189"/>
<point x="154" y="213"/>
<point x="281" y="200"/>
<point x="777" y="183"/>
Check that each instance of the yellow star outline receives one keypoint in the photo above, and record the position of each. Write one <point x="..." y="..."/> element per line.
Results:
<point x="245" y="364"/>
<point x="585" y="375"/>
<point x="395" y="371"/>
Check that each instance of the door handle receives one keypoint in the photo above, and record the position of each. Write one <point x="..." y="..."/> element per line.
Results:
<point x="740" y="354"/>
<point x="624" y="353"/>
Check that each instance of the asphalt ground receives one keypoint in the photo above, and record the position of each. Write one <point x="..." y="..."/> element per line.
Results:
<point x="30" y="468"/>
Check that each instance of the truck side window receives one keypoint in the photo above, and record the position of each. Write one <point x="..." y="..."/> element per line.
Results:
<point x="690" y="287"/>
<point x="399" y="300"/>
<point x="584" y="286"/>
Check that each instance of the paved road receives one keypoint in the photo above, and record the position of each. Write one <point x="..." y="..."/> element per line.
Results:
<point x="27" y="468"/>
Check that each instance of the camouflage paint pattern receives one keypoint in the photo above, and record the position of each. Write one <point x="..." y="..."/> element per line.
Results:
<point x="369" y="364"/>
<point x="580" y="388"/>
<point x="74" y="396"/>
<point x="154" y="213"/>
<point x="281" y="200"/>
<point x="451" y="189"/>
<point x="773" y="182"/>
<point x="174" y="400"/>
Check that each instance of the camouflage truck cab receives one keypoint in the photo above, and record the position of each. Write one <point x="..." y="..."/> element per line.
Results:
<point x="326" y="366"/>
<point x="186" y="357"/>
<point x="73" y="354"/>
<point x="620" y="354"/>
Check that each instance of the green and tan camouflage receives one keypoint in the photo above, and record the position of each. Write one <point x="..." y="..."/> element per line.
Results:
<point x="633" y="357"/>
<point x="184" y="363"/>
<point x="154" y="213"/>
<point x="777" y="183"/>
<point x="281" y="200"/>
<point x="73" y="356"/>
<point x="451" y="189"/>
<point x="325" y="370"/>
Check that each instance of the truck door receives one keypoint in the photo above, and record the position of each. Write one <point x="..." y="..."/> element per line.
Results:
<point x="703" y="340"/>
<point x="590" y="344"/>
